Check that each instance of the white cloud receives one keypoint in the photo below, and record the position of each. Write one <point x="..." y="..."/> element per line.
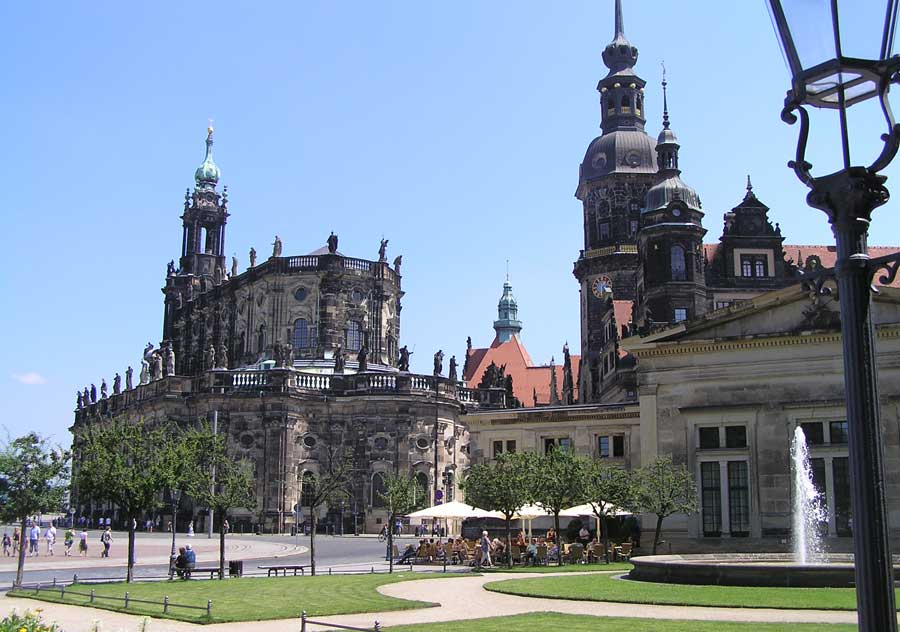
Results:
<point x="31" y="378"/>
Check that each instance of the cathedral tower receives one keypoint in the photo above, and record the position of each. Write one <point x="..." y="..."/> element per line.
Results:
<point x="507" y="324"/>
<point x="671" y="283"/>
<point x="618" y="169"/>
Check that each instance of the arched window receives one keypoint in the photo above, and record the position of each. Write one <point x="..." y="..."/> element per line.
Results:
<point x="307" y="489"/>
<point x="679" y="270"/>
<point x="378" y="490"/>
<point x="354" y="336"/>
<point x="422" y="488"/>
<point x="638" y="104"/>
<point x="626" y="104"/>
<point x="610" y="105"/>
<point x="302" y="335"/>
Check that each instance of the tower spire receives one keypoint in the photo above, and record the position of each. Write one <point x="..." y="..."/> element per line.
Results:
<point x="665" y="99"/>
<point x="620" y="28"/>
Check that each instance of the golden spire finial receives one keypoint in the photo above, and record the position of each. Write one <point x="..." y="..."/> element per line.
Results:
<point x="210" y="129"/>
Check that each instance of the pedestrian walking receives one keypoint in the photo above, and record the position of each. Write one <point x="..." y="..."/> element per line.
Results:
<point x="33" y="536"/>
<point x="69" y="540"/>
<point x="50" y="538"/>
<point x="190" y="531"/>
<point x="106" y="538"/>
<point x="485" y="544"/>
<point x="83" y="543"/>
<point x="16" y="538"/>
<point x="7" y="544"/>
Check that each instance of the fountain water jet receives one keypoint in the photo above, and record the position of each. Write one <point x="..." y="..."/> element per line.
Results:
<point x="808" y="511"/>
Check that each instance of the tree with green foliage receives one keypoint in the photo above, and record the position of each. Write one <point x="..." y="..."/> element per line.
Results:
<point x="501" y="485"/>
<point x="220" y="482"/>
<point x="330" y="484"/>
<point x="36" y="475"/>
<point x="402" y="494"/>
<point x="130" y="464"/>
<point x="557" y="482"/>
<point x="608" y="489"/>
<point x="664" y="489"/>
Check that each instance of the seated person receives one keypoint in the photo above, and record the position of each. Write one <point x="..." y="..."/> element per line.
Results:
<point x="422" y="551"/>
<point x="530" y="554"/>
<point x="551" y="536"/>
<point x="180" y="563"/>
<point x="521" y="540"/>
<point x="584" y="536"/>
<point x="552" y="552"/>
<point x="476" y="559"/>
<point x="409" y="554"/>
<point x="190" y="559"/>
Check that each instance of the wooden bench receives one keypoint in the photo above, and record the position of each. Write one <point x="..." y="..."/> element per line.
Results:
<point x="212" y="570"/>
<point x="284" y="568"/>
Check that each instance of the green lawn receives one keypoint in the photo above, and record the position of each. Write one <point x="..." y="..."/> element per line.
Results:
<point x="566" y="568"/>
<point x="584" y="623"/>
<point x="249" y="598"/>
<point x="600" y="587"/>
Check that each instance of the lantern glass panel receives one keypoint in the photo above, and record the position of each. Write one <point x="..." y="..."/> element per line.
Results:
<point x="812" y="32"/>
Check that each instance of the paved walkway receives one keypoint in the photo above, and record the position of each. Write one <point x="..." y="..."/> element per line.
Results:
<point x="459" y="598"/>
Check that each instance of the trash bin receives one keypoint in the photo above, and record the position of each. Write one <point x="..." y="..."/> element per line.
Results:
<point x="235" y="568"/>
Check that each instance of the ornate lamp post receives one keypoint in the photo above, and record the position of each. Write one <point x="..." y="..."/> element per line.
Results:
<point x="175" y="498"/>
<point x="815" y="38"/>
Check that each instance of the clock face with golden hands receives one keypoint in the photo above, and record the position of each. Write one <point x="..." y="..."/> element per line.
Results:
<point x="601" y="287"/>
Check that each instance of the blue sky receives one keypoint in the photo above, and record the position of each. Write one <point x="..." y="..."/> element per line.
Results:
<point x="453" y="129"/>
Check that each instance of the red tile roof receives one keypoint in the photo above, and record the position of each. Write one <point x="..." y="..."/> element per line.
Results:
<point x="527" y="378"/>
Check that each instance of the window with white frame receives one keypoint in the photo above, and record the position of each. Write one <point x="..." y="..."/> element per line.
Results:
<point x="611" y="446"/>
<point x="501" y="446"/>
<point x="553" y="443"/>
<point x="724" y="479"/>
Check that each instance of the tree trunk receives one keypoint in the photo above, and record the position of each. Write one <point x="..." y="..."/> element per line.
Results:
<point x="508" y="545"/>
<point x="390" y="544"/>
<point x="312" y="541"/>
<point x="559" y="547"/>
<point x="20" y="567"/>
<point x="605" y="528"/>
<point x="659" y="520"/>
<point x="222" y="546"/>
<point x="130" y="574"/>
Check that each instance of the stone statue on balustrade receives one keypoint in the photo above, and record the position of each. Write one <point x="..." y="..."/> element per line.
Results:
<point x="128" y="373"/>
<point x="93" y="394"/>
<point x="222" y="357"/>
<point x="148" y="351"/>
<point x="276" y="247"/>
<point x="218" y="275"/>
<point x="453" y="375"/>
<point x="338" y="360"/>
<point x="252" y="257"/>
<point x="117" y="384"/>
<point x="209" y="358"/>
<point x="145" y="372"/>
<point x="332" y="242"/>
<point x="438" y="362"/>
<point x="157" y="366"/>
<point x="234" y="266"/>
<point x="169" y="357"/>
<point x="170" y="268"/>
<point x="287" y="355"/>
<point x="104" y="390"/>
<point x="403" y="360"/>
<point x="382" y="251"/>
<point x="397" y="261"/>
<point x="79" y="402"/>
<point x="86" y="398"/>
<point x="363" y="358"/>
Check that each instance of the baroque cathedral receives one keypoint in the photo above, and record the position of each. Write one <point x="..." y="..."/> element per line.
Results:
<point x="708" y="353"/>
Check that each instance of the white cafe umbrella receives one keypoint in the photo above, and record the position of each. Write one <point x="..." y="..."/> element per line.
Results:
<point x="455" y="511"/>
<point x="527" y="513"/>
<point x="587" y="509"/>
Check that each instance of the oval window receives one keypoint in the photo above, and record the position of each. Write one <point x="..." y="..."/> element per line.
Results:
<point x="309" y="441"/>
<point x="300" y="293"/>
<point x="247" y="440"/>
<point x="357" y="296"/>
<point x="422" y="443"/>
<point x="381" y="443"/>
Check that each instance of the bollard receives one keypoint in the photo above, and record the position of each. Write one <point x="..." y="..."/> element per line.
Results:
<point x="39" y="587"/>
<point x="92" y="595"/>
<point x="373" y="570"/>
<point x="166" y="604"/>
<point x="62" y="592"/>
<point x="445" y="563"/>
<point x="54" y="580"/>
<point x="377" y="627"/>
<point x="329" y="570"/>
<point x="126" y="600"/>
<point x="209" y="607"/>
<point x="303" y="621"/>
<point x="75" y="578"/>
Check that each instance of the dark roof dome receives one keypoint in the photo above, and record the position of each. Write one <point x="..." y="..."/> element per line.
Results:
<point x="620" y="151"/>
<point x="666" y="137"/>
<point x="669" y="190"/>
<point x="619" y="54"/>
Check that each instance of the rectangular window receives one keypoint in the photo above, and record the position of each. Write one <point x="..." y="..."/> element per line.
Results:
<point x="746" y="266"/>
<point x="735" y="436"/>
<point x="511" y="447"/>
<point x="633" y="227"/>
<point x="549" y="445"/>
<point x="840" y="468"/>
<point x="709" y="438"/>
<point x="604" y="231"/>
<point x="739" y="498"/>
<point x="603" y="447"/>
<point x="498" y="448"/>
<point x="711" y="499"/>
<point x="754" y="266"/>
<point x="680" y="314"/>
<point x="814" y="431"/>
<point x="838" y="431"/>
<point x="723" y="304"/>
<point x="565" y="443"/>
<point x="759" y="267"/>
<point x="618" y="445"/>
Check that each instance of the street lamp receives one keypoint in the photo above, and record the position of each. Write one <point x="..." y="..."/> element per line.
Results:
<point x="818" y="42"/>
<point x="175" y="497"/>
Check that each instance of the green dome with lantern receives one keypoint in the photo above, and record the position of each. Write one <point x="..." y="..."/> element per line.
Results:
<point x="207" y="174"/>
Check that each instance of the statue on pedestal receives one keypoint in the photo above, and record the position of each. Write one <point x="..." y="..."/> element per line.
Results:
<point x="403" y="361"/>
<point x="103" y="389"/>
<point x="382" y="251"/>
<point x="234" y="266"/>
<point x="145" y="372"/>
<point x="276" y="247"/>
<point x="93" y="394"/>
<point x="453" y="376"/>
<point x="332" y="242"/>
<point x="78" y="400"/>
<point x="157" y="366"/>
<point x="363" y="358"/>
<point x="128" y="372"/>
<point x="117" y="384"/>
<point x="338" y="360"/>
<point x="222" y="357"/>
<point x="438" y="362"/>
<point x="86" y="398"/>
<point x="169" y="354"/>
<point x="397" y="261"/>
<point x="252" y="257"/>
<point x="170" y="268"/>
<point x="209" y="358"/>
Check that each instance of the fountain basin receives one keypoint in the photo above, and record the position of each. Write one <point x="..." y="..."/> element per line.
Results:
<point x="747" y="569"/>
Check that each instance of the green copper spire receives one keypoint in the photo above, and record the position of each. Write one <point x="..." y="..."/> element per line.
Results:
<point x="207" y="174"/>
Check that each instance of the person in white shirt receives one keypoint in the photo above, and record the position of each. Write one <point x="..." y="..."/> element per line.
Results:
<point x="50" y="537"/>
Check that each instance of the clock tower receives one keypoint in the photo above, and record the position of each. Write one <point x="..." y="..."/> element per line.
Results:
<point x="618" y="169"/>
